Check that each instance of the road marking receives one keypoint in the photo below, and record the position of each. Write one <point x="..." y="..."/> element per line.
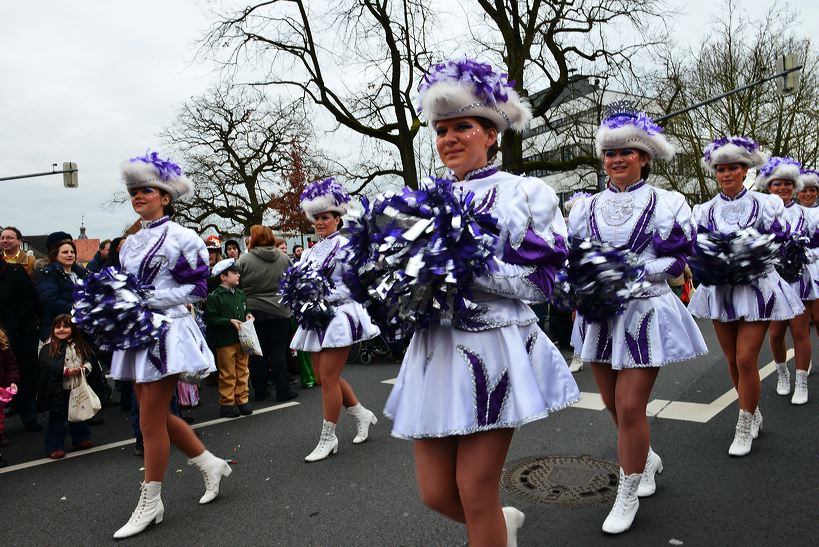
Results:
<point x="672" y="410"/>
<point x="109" y="446"/>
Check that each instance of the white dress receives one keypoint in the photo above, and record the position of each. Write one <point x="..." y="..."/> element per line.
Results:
<point x="654" y="329"/>
<point x="496" y="369"/>
<point x="768" y="297"/>
<point x="351" y="323"/>
<point x="174" y="261"/>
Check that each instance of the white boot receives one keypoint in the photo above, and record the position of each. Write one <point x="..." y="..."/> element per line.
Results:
<point x="654" y="465"/>
<point x="213" y="469"/>
<point x="783" y="382"/>
<point x="149" y="509"/>
<point x="363" y="420"/>
<point x="742" y="436"/>
<point x="800" y="389"/>
<point x="328" y="443"/>
<point x="756" y="425"/>
<point x="625" y="506"/>
<point x="514" y="520"/>
<point x="576" y="365"/>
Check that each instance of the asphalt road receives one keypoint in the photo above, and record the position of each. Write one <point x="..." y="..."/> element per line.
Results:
<point x="366" y="494"/>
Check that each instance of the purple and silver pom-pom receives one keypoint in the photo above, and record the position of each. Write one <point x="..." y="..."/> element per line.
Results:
<point x="602" y="278"/>
<point x="414" y="256"/>
<point x="165" y="168"/>
<point x="561" y="297"/>
<point x="305" y="290"/>
<point x="733" y="259"/>
<point x="793" y="257"/>
<point x="110" y="307"/>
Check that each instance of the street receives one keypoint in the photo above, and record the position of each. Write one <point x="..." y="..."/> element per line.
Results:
<point x="366" y="495"/>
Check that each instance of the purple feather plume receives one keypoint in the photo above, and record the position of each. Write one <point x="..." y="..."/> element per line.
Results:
<point x="622" y="113"/>
<point x="166" y="168"/>
<point x="775" y="162"/>
<point x="323" y="187"/>
<point x="743" y="142"/>
<point x="486" y="84"/>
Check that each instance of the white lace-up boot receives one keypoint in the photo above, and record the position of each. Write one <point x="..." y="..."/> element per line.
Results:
<point x="363" y="420"/>
<point x="756" y="424"/>
<point x="625" y="506"/>
<point x="514" y="520"/>
<point x="654" y="466"/>
<point x="783" y="381"/>
<point x="149" y="509"/>
<point x="742" y="436"/>
<point x="576" y="365"/>
<point x="213" y="469"/>
<point x="800" y="388"/>
<point x="328" y="443"/>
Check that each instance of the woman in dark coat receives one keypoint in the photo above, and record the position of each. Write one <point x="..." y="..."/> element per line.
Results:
<point x="56" y="284"/>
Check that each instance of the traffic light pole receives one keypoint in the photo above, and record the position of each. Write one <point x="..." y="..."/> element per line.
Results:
<point x="40" y="174"/>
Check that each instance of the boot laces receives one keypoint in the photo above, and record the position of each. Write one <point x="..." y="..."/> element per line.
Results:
<point x="743" y="430"/>
<point x="801" y="382"/>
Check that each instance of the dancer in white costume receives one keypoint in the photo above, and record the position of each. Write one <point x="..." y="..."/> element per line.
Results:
<point x="463" y="389"/>
<point x="741" y="313"/>
<point x="628" y="350"/>
<point x="324" y="202"/>
<point x="809" y="180"/>
<point x="174" y="262"/>
<point x="782" y="177"/>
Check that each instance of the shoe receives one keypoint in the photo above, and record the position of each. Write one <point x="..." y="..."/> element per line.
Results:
<point x="756" y="424"/>
<point x="149" y="509"/>
<point x="229" y="411"/>
<point x="742" y="436"/>
<point x="783" y="382"/>
<point x="245" y="409"/>
<point x="33" y="427"/>
<point x="800" y="388"/>
<point x="4" y="441"/>
<point x="95" y="420"/>
<point x="625" y="506"/>
<point x="654" y="466"/>
<point x="139" y="448"/>
<point x="56" y="454"/>
<point x="328" y="443"/>
<point x="84" y="445"/>
<point x="363" y="419"/>
<point x="287" y="397"/>
<point x="213" y="470"/>
<point x="576" y="365"/>
<point x="514" y="520"/>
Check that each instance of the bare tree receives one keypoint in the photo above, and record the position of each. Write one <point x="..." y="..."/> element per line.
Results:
<point x="237" y="147"/>
<point x="739" y="52"/>
<point x="379" y="46"/>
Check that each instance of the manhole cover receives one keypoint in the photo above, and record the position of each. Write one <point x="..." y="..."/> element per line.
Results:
<point x="576" y="481"/>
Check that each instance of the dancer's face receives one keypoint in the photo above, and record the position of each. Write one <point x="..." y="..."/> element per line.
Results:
<point x="807" y="197"/>
<point x="326" y="223"/>
<point x="462" y="144"/>
<point x="730" y="177"/>
<point x="149" y="202"/>
<point x="623" y="165"/>
<point x="782" y="188"/>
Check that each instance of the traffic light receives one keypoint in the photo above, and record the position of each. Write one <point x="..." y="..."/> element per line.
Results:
<point x="70" y="179"/>
<point x="788" y="83"/>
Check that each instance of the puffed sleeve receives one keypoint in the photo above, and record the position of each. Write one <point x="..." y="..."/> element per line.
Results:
<point x="772" y="218"/>
<point x="699" y="217"/>
<point x="533" y="243"/>
<point x="578" y="227"/>
<point x="812" y="229"/>
<point x="189" y="270"/>
<point x="673" y="239"/>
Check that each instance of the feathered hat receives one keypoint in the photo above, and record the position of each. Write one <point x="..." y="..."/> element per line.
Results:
<point x="454" y="89"/>
<point x="776" y="168"/>
<point x="151" y="170"/>
<point x="809" y="177"/>
<point x="733" y="150"/>
<point x="626" y="127"/>
<point x="321" y="196"/>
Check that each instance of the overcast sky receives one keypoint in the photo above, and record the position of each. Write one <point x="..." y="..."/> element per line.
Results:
<point x="95" y="82"/>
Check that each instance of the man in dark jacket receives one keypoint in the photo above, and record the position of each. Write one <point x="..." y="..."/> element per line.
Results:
<point x="19" y="308"/>
<point x="98" y="262"/>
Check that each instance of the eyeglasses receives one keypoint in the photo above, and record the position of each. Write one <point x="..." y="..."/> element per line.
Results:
<point x="621" y="152"/>
<point x="144" y="191"/>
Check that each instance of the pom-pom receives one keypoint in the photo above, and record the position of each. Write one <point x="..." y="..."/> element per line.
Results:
<point x="602" y="278"/>
<point x="414" y="256"/>
<point x="110" y="306"/>
<point x="305" y="290"/>
<point x="793" y="257"/>
<point x="733" y="259"/>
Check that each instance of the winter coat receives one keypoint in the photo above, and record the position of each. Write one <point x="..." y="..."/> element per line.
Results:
<point x="224" y="305"/>
<point x="50" y="388"/>
<point x="19" y="308"/>
<point x="8" y="368"/>
<point x="56" y="291"/>
<point x="261" y="269"/>
<point x="96" y="264"/>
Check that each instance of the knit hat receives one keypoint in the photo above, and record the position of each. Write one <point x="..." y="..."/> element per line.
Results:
<point x="231" y="242"/>
<point x="809" y="177"/>
<point x="732" y="150"/>
<point x="626" y="127"/>
<point x="323" y="196"/>
<point x="776" y="168"/>
<point x="455" y="89"/>
<point x="55" y="238"/>
<point x="223" y="266"/>
<point x="152" y="171"/>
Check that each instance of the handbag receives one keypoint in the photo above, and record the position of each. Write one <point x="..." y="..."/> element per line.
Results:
<point x="248" y="339"/>
<point x="687" y="291"/>
<point x="83" y="403"/>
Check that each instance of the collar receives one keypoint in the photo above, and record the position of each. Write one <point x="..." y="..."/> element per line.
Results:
<point x="630" y="188"/>
<point x="15" y="258"/>
<point x="475" y="174"/>
<point x="740" y="195"/>
<point x="155" y="223"/>
<point x="791" y="203"/>
<point x="329" y="237"/>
